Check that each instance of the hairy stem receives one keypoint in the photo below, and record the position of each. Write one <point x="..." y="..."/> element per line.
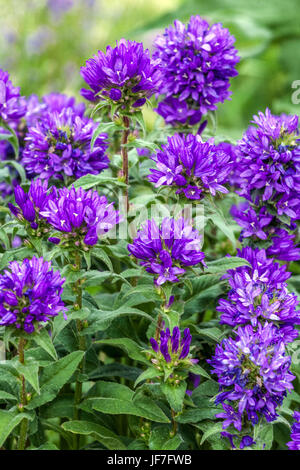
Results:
<point x="24" y="422"/>
<point x="174" y="423"/>
<point x="82" y="347"/>
<point x="124" y="153"/>
<point x="158" y="326"/>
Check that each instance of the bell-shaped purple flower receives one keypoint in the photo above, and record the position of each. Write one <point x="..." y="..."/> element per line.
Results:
<point x="30" y="294"/>
<point x="193" y="167"/>
<point x="125" y="75"/>
<point x="196" y="61"/>
<point x="80" y="216"/>
<point x="58" y="145"/>
<point x="167" y="250"/>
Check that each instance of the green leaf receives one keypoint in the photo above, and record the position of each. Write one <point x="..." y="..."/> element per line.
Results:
<point x="107" y="316"/>
<point x="11" y="255"/>
<point x="149" y="373"/>
<point x="118" y="399"/>
<point x="174" y="394"/>
<point x="222" y="265"/>
<point x="54" y="377"/>
<point x="206" y="390"/>
<point x="196" y="369"/>
<point x="140" y="143"/>
<point x="60" y="323"/>
<point x="5" y="136"/>
<point x="115" y="369"/>
<point x="160" y="439"/>
<point x="188" y="283"/>
<point x="7" y="396"/>
<point x="89" y="181"/>
<point x="213" y="429"/>
<point x="131" y="348"/>
<point x="138" y="117"/>
<point x="61" y="407"/>
<point x="12" y="137"/>
<point x="97" y="108"/>
<point x="43" y="339"/>
<point x="47" y="446"/>
<point x="212" y="333"/>
<point x="102" y="255"/>
<point x="101" y="129"/>
<point x="263" y="436"/>
<point x="30" y="371"/>
<point x="19" y="168"/>
<point x="8" y="421"/>
<point x="195" y="415"/>
<point x="145" y="408"/>
<point x="215" y="214"/>
<point x="88" y="259"/>
<point x="172" y="317"/>
<point x="97" y="432"/>
<point x="148" y="291"/>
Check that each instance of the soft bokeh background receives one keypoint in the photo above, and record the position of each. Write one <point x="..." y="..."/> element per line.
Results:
<point x="44" y="43"/>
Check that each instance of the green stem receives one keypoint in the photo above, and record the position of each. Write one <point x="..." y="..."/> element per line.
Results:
<point x="24" y="422"/>
<point x="158" y="326"/>
<point x="82" y="347"/>
<point x="124" y="153"/>
<point x="174" y="423"/>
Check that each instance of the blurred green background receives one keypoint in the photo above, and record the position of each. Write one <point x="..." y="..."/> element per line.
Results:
<point x="44" y="43"/>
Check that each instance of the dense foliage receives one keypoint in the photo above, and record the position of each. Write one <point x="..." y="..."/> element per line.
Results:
<point x="148" y="287"/>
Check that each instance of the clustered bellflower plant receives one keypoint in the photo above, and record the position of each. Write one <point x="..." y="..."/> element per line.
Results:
<point x="29" y="206"/>
<point x="125" y="75"/>
<point x="170" y="354"/>
<point x="196" y="61"/>
<point x="58" y="147"/>
<point x="254" y="375"/>
<point x="268" y="166"/>
<point x="160" y="331"/>
<point x="192" y="166"/>
<point x="79" y="217"/>
<point x="30" y="294"/>
<point x="260" y="293"/>
<point x="167" y="250"/>
<point x="124" y="78"/>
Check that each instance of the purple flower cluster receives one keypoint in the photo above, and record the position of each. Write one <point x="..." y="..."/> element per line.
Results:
<point x="79" y="217"/>
<point x="167" y="250"/>
<point x="253" y="224"/>
<point x="270" y="162"/>
<point x="172" y="348"/>
<point x="50" y="103"/>
<point x="253" y="368"/>
<point x="253" y="373"/>
<point x="12" y="105"/>
<point x="125" y="75"/>
<point x="196" y="62"/>
<point x="30" y="205"/>
<point x="192" y="166"/>
<point x="58" y="146"/>
<point x="30" y="293"/>
<point x="294" y="444"/>
<point x="258" y="224"/>
<point x="269" y="177"/>
<point x="259" y="293"/>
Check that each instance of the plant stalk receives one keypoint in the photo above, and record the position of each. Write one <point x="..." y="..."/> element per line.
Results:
<point x="82" y="347"/>
<point x="24" y="422"/>
<point x="124" y="153"/>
